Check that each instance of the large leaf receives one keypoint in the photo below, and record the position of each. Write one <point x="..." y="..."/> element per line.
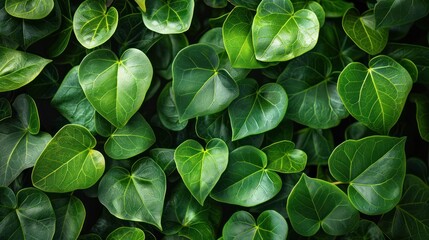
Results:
<point x="314" y="204"/>
<point x="422" y="115"/>
<point x="199" y="86"/>
<point x="257" y="109"/>
<point x="135" y="196"/>
<point x="116" y="87"/>
<point x="269" y="225"/>
<point x="390" y="13"/>
<point x="18" y="68"/>
<point x="374" y="167"/>
<point x="131" y="233"/>
<point x="280" y="34"/>
<point x="168" y="16"/>
<point x="246" y="180"/>
<point x="68" y="162"/>
<point x="93" y="24"/>
<point x="70" y="214"/>
<point x="376" y="95"/>
<point x="28" y="215"/>
<point x="311" y="88"/>
<point x="283" y="157"/>
<point x="412" y="212"/>
<point x="134" y="138"/>
<point x="29" y="9"/>
<point x="361" y="29"/>
<point x="201" y="168"/>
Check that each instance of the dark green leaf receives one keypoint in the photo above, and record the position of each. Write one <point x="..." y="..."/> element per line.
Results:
<point x="365" y="230"/>
<point x="411" y="68"/>
<point x="250" y="4"/>
<point x="70" y="214"/>
<point x="45" y="85"/>
<point x="214" y="126"/>
<point x="357" y="130"/>
<point x="422" y="115"/>
<point x="167" y="110"/>
<point x="283" y="157"/>
<point x="129" y="233"/>
<point x="5" y="109"/>
<point x="29" y="9"/>
<point x="216" y="3"/>
<point x="389" y="13"/>
<point x="317" y="143"/>
<point x="335" y="8"/>
<point x="164" y="157"/>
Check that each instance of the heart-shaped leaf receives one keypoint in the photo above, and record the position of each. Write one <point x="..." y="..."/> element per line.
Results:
<point x="374" y="167"/>
<point x="199" y="86"/>
<point x="93" y="24"/>
<point x="390" y="13"/>
<point x="257" y="110"/>
<point x="18" y="68"/>
<point x="311" y="88"/>
<point x="280" y="34"/>
<point x="376" y="95"/>
<point x="130" y="233"/>
<point x="135" y="196"/>
<point x="116" y="87"/>
<point x="361" y="29"/>
<point x="28" y="215"/>
<point x="422" y="115"/>
<point x="201" y="168"/>
<point x="70" y="214"/>
<point x="29" y="9"/>
<point x="246" y="180"/>
<point x="68" y="162"/>
<point x="168" y="17"/>
<point x="283" y="157"/>
<point x="167" y="110"/>
<point x="134" y="138"/>
<point x="314" y="204"/>
<point x="269" y="225"/>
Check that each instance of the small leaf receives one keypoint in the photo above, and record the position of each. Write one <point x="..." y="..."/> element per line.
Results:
<point x="242" y="225"/>
<point x="29" y="9"/>
<point x="164" y="157"/>
<point x="5" y="109"/>
<point x="314" y="204"/>
<point x="70" y="214"/>
<point x="134" y="196"/>
<point x="201" y="168"/>
<point x="93" y="24"/>
<point x="422" y="115"/>
<point x="335" y="8"/>
<point x="390" y="13"/>
<point x="68" y="162"/>
<point x="283" y="157"/>
<point x="214" y="126"/>
<point x="130" y="233"/>
<point x="27" y="112"/>
<point x="167" y="110"/>
<point x="317" y="144"/>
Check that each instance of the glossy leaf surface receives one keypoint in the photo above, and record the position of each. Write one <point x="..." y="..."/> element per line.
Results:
<point x="70" y="214"/>
<point x="164" y="157"/>
<point x="131" y="233"/>
<point x="335" y="8"/>
<point x="283" y="157"/>
<point x="389" y="13"/>
<point x="29" y="9"/>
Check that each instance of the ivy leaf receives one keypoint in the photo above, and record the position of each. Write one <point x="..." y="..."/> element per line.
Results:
<point x="69" y="161"/>
<point x="242" y="225"/>
<point x="376" y="95"/>
<point x="314" y="204"/>
<point x="201" y="168"/>
<point x="116" y="87"/>
<point x="29" y="9"/>
<point x="284" y="158"/>
<point x="280" y="34"/>
<point x="135" y="196"/>
<point x="131" y="233"/>
<point x="70" y="214"/>
<point x="374" y="167"/>
<point x="93" y="24"/>
<point x="422" y="115"/>
<point x="390" y="13"/>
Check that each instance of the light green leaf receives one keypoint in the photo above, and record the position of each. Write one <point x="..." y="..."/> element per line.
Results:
<point x="390" y="13"/>
<point x="376" y="95"/>
<point x="135" y="196"/>
<point x="280" y="34"/>
<point x="284" y="158"/>
<point x="199" y="86"/>
<point x="201" y="168"/>
<point x="314" y="204"/>
<point x="126" y="233"/>
<point x="134" y="138"/>
<point x="246" y="180"/>
<point x="169" y="16"/>
<point x="29" y="9"/>
<point x="167" y="110"/>
<point x="116" y="87"/>
<point x="70" y="214"/>
<point x="269" y="225"/>
<point x="68" y="162"/>
<point x="422" y="115"/>
<point x="361" y="29"/>
<point x="18" y="68"/>
<point x="257" y="110"/>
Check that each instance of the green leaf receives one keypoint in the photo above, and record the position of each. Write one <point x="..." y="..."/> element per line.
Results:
<point x="93" y="24"/>
<point x="237" y="37"/>
<point x="250" y="4"/>
<point x="374" y="167"/>
<point x="61" y="38"/>
<point x="357" y="131"/>
<point x="314" y="204"/>
<point x="201" y="168"/>
<point x="211" y="89"/>
<point x="361" y="29"/>
<point x="70" y="214"/>
<point x="27" y="112"/>
<point x="134" y="138"/>
<point x="168" y="17"/>
<point x="376" y="95"/>
<point x="412" y="212"/>
<point x="68" y="162"/>
<point x="311" y="88"/>
<point x="411" y="68"/>
<point x="335" y="8"/>
<point x="5" y="109"/>
<point x="116" y="87"/>
<point x="29" y="9"/>
<point x="246" y="180"/>
<point x="284" y="158"/>
<point x="29" y="215"/>
<point x="257" y="110"/>
<point x="164" y="157"/>
<point x="135" y="196"/>
<point x="167" y="110"/>
<point x="365" y="230"/>
<point x="216" y="3"/>
<point x="280" y="34"/>
<point x="18" y="68"/>
<point x="242" y="225"/>
<point x="131" y="233"/>
<point x="422" y="115"/>
<point x="45" y="85"/>
<point x="390" y="13"/>
<point x="317" y="143"/>
<point x="214" y="126"/>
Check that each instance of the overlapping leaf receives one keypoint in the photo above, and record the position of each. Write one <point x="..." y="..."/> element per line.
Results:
<point x="167" y="110"/>
<point x="283" y="157"/>
<point x="422" y="115"/>
<point x="390" y="13"/>
<point x="131" y="233"/>
<point x="70" y="215"/>
<point x="29" y="9"/>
